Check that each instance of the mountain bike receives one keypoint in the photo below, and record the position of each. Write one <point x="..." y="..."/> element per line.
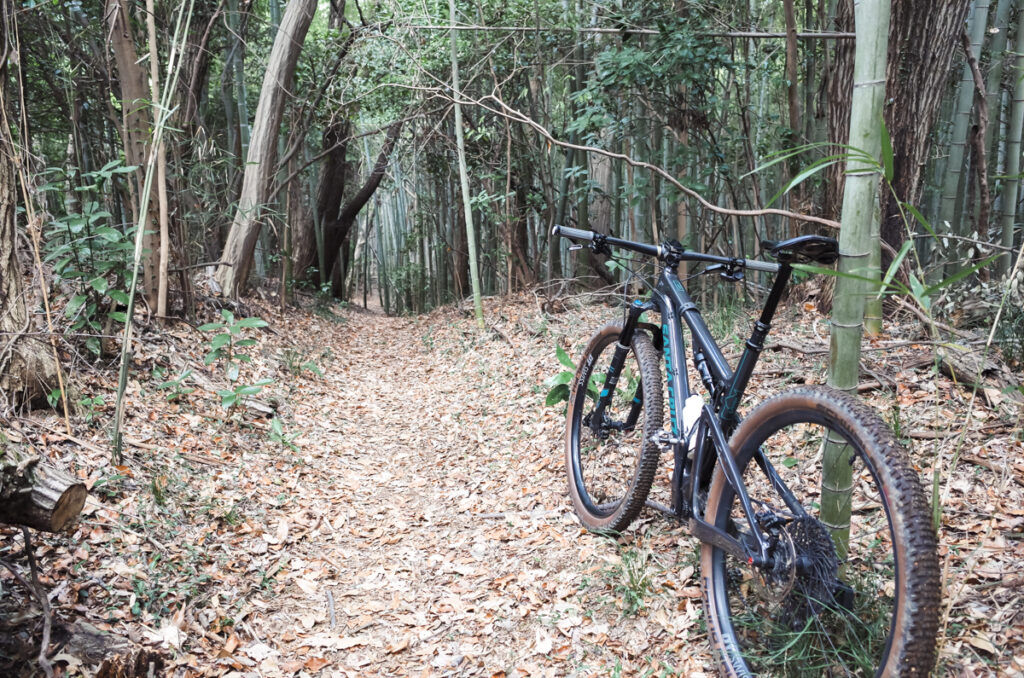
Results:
<point x="817" y="554"/>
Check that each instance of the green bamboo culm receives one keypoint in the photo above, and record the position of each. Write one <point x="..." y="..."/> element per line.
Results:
<point x="860" y="206"/>
<point x="460" y="142"/>
<point x="951" y="206"/>
<point x="1013" y="142"/>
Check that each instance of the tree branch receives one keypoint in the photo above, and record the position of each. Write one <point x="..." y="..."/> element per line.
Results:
<point x="526" y="120"/>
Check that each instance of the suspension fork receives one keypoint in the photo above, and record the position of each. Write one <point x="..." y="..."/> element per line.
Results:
<point x="611" y="378"/>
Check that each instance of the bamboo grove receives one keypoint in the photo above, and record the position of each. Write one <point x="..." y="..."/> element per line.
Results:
<point x="310" y="147"/>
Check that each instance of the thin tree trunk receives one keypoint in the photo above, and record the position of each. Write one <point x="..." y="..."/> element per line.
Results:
<point x="859" y="209"/>
<point x="978" y="160"/>
<point x="261" y="160"/>
<point x="951" y="208"/>
<point x="27" y="369"/>
<point x="460" y="142"/>
<point x="161" y="167"/>
<point x="136" y="131"/>
<point x="1013" y="149"/>
<point x="993" y="83"/>
<point x="792" y="89"/>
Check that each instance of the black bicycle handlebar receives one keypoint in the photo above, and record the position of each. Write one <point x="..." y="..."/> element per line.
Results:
<point x="662" y="252"/>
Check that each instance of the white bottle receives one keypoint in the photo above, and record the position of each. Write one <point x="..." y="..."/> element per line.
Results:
<point x="692" y="408"/>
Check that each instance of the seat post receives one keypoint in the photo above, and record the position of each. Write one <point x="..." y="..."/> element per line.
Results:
<point x="775" y="295"/>
<point x="752" y="350"/>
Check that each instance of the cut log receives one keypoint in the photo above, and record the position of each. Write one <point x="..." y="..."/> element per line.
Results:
<point x="36" y="494"/>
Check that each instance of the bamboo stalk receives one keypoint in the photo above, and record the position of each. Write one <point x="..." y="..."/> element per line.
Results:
<point x="860" y="207"/>
<point x="951" y="206"/>
<point x="1013" y="148"/>
<point x="460" y="142"/>
<point x="161" y="167"/>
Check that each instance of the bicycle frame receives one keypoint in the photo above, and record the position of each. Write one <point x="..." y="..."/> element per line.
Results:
<point x="726" y="386"/>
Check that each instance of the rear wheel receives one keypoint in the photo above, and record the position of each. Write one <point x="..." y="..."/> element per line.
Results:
<point x="861" y="600"/>
<point x="611" y="462"/>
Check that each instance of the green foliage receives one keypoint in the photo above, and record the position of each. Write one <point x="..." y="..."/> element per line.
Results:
<point x="176" y="386"/>
<point x="297" y="362"/>
<point x="91" y="407"/>
<point x="225" y="343"/>
<point x="224" y="346"/>
<point x="631" y="578"/>
<point x="558" y="384"/>
<point x="278" y="435"/>
<point x="91" y="258"/>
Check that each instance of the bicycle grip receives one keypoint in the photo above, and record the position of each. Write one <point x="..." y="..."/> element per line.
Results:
<point x="574" y="233"/>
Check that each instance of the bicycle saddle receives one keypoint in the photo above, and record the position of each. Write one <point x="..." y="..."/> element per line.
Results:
<point x="803" y="249"/>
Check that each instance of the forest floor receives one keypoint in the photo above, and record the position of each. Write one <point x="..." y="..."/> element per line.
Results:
<point x="395" y="504"/>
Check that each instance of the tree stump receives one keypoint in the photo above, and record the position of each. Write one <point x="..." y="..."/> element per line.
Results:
<point x="37" y="494"/>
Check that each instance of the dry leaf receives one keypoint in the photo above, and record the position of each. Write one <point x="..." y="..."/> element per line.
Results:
<point x="306" y="585"/>
<point x="542" y="642"/>
<point x="314" y="664"/>
<point x="400" y="645"/>
<point x="982" y="643"/>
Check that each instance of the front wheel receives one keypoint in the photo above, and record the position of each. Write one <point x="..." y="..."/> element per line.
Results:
<point x="853" y="588"/>
<point x="611" y="456"/>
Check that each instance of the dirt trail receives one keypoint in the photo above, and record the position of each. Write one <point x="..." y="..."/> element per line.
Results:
<point x="401" y="509"/>
<point x="439" y="539"/>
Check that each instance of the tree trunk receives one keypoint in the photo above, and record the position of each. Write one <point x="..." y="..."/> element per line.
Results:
<point x="329" y="195"/>
<point x="923" y="35"/>
<point x="27" y="367"/>
<point x="997" y="57"/>
<point x="136" y="131"/>
<point x="338" y="228"/>
<point x="460" y="143"/>
<point x="951" y="209"/>
<point x="1008" y="208"/>
<point x="262" y="157"/>
<point x="859" y="209"/>
<point x="35" y="494"/>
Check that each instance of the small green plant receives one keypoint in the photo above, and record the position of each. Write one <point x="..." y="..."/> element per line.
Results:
<point x="278" y="435"/>
<point x="634" y="579"/>
<point x="295" y="363"/>
<point x="224" y="346"/>
<point x="230" y="398"/>
<point x="109" y="485"/>
<point x="558" y="384"/>
<point x="175" y="387"/>
<point x="53" y="397"/>
<point x="225" y="343"/>
<point x="91" y="407"/>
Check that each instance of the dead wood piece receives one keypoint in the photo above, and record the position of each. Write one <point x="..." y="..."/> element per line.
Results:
<point x="931" y="322"/>
<point x="497" y="330"/>
<point x="973" y="369"/>
<point x="869" y="386"/>
<point x="779" y="345"/>
<point x="36" y="494"/>
<point x="141" y="663"/>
